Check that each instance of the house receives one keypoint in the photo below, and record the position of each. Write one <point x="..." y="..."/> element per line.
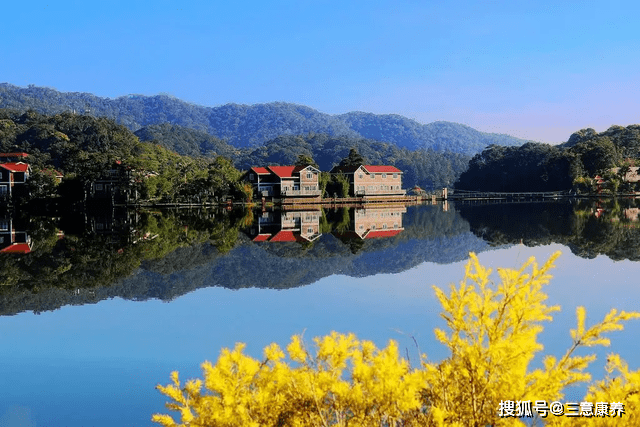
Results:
<point x="287" y="226"/>
<point x="371" y="180"/>
<point x="114" y="186"/>
<point x="284" y="181"/>
<point x="375" y="222"/>
<point x="11" y="174"/>
<point x="11" y="240"/>
<point x="631" y="175"/>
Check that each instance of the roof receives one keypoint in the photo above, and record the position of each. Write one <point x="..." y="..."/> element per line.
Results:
<point x="261" y="237"/>
<point x="367" y="168"/>
<point x="15" y="167"/>
<point x="383" y="169"/>
<point x="260" y="171"/>
<point x="284" y="236"/>
<point x="282" y="171"/>
<point x="17" y="248"/>
<point x="374" y="234"/>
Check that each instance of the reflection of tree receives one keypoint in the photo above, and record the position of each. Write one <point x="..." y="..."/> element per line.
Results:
<point x="588" y="227"/>
<point x="99" y="257"/>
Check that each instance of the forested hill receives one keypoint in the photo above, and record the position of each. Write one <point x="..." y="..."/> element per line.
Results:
<point x="252" y="126"/>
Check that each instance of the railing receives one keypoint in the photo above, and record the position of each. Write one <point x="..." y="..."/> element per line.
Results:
<point x="293" y="193"/>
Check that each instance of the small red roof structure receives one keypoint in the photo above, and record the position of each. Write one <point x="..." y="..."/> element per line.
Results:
<point x="15" y="167"/>
<point x="261" y="237"/>
<point x="17" y="248"/>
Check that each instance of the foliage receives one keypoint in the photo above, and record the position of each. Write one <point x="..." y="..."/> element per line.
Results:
<point x="252" y="125"/>
<point x="353" y="159"/>
<point x="542" y="167"/>
<point x="492" y="338"/>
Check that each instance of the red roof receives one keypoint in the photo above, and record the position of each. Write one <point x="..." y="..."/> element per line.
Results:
<point x="373" y="234"/>
<point x="261" y="237"/>
<point x="284" y="236"/>
<point x="383" y="169"/>
<point x="17" y="248"/>
<point x="260" y="171"/>
<point x="282" y="171"/>
<point x="15" y="167"/>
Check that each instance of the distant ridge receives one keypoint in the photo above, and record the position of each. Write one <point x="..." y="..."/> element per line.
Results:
<point x="253" y="125"/>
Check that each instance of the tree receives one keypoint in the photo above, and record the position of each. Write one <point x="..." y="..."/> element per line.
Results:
<point x="304" y="160"/>
<point x="353" y="159"/>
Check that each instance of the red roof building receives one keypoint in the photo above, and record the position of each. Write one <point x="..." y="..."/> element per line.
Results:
<point x="284" y="181"/>
<point x="12" y="173"/>
<point x="372" y="180"/>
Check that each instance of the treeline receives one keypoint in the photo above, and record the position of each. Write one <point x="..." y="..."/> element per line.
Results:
<point x="84" y="148"/>
<point x="543" y="167"/>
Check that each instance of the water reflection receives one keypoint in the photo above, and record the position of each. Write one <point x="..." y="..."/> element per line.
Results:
<point x="47" y="263"/>
<point x="13" y="236"/>
<point x="588" y="227"/>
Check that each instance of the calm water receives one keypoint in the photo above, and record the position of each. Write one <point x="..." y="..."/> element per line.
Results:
<point x="93" y="354"/>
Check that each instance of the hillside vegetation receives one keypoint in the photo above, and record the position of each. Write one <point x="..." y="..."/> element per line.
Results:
<point x="544" y="167"/>
<point x="254" y="125"/>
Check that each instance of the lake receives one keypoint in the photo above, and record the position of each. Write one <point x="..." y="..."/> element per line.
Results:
<point x="104" y="306"/>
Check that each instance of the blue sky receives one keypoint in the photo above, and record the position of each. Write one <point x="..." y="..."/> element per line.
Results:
<point x="535" y="70"/>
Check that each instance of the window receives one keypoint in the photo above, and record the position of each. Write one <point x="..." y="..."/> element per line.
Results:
<point x="360" y="176"/>
<point x="4" y="225"/>
<point x="3" y="190"/>
<point x="98" y="187"/>
<point x="384" y="226"/>
<point x="309" y="230"/>
<point x="395" y="175"/>
<point x="384" y="175"/>
<point x="373" y="176"/>
<point x="252" y="176"/>
<point x="309" y="175"/>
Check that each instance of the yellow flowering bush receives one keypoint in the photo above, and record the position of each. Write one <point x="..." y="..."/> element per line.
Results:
<point x="492" y="337"/>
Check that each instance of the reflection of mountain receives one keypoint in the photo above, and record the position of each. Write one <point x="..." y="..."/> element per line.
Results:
<point x="588" y="227"/>
<point x="430" y="234"/>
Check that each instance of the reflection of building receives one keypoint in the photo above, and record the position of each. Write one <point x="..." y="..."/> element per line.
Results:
<point x="12" y="241"/>
<point x="284" y="181"/>
<point x="375" y="222"/>
<point x="369" y="180"/>
<point x="288" y="226"/>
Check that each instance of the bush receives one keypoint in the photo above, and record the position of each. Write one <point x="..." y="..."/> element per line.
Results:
<point x="492" y="338"/>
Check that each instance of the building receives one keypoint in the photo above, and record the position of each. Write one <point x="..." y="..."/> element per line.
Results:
<point x="284" y="181"/>
<point x="12" y="240"/>
<point x="375" y="222"/>
<point x="12" y="174"/>
<point x="371" y="180"/>
<point x="287" y="226"/>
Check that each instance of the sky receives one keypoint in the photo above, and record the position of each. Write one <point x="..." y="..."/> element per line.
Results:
<point x="537" y="70"/>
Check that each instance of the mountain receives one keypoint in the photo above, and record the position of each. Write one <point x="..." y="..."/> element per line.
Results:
<point x="253" y="125"/>
<point x="438" y="136"/>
